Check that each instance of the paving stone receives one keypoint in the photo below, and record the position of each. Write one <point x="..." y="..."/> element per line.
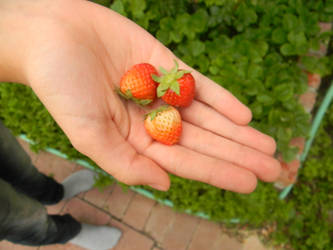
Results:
<point x="98" y="197"/>
<point x="54" y="166"/>
<point x="294" y="165"/>
<point x="118" y="201"/>
<point x="86" y="213"/>
<point x="227" y="243"/>
<point x="67" y="246"/>
<point x="307" y="100"/>
<point x="325" y="27"/>
<point x="159" y="221"/>
<point x="288" y="173"/>
<point x="131" y="239"/>
<point x="57" y="208"/>
<point x="323" y="49"/>
<point x="298" y="142"/>
<point x="283" y="180"/>
<point x="205" y="236"/>
<point x="138" y="211"/>
<point x="253" y="243"/>
<point x="157" y="248"/>
<point x="313" y="80"/>
<point x="180" y="233"/>
<point x="6" y="245"/>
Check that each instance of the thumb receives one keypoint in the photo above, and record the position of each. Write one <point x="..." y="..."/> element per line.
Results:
<point x="109" y="150"/>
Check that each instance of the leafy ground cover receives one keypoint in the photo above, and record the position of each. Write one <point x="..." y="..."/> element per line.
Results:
<point x="257" y="49"/>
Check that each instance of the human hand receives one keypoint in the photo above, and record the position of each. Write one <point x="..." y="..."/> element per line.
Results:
<point x="73" y="60"/>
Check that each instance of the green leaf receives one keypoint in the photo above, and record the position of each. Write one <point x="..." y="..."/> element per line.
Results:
<point x="103" y="2"/>
<point x="156" y="78"/>
<point x="128" y="95"/>
<point x="245" y="17"/>
<point x="176" y="36"/>
<point x="163" y="36"/>
<point x="255" y="71"/>
<point x="329" y="7"/>
<point x="316" y="65"/>
<point x="265" y="99"/>
<point x="257" y="109"/>
<point x="118" y="6"/>
<point x="289" y="153"/>
<point x="197" y="47"/>
<point x="175" y="87"/>
<point x="152" y="114"/>
<point x="290" y="22"/>
<point x="214" y="70"/>
<point x="262" y="47"/>
<point x="182" y="22"/>
<point x="199" y="20"/>
<point x="287" y="49"/>
<point x="167" y="24"/>
<point x="180" y="73"/>
<point x="142" y="102"/>
<point x="279" y="36"/>
<point x="137" y="8"/>
<point x="297" y="38"/>
<point x="284" y="92"/>
<point x="161" y="89"/>
<point x="163" y="70"/>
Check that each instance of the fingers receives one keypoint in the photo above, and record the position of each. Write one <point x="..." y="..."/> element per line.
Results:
<point x="216" y="96"/>
<point x="221" y="100"/>
<point x="192" y="165"/>
<point x="117" y="157"/>
<point x="207" y="91"/>
<point x="213" y="121"/>
<point x="202" y="141"/>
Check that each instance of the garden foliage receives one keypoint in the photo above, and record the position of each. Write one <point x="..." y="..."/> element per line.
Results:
<point x="257" y="49"/>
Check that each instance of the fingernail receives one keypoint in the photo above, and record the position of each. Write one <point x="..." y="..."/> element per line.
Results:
<point x="158" y="187"/>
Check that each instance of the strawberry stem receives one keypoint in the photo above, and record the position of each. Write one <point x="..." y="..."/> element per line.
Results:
<point x="129" y="96"/>
<point x="168" y="80"/>
<point x="152" y="114"/>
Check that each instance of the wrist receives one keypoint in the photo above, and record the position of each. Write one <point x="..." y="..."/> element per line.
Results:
<point x="16" y="36"/>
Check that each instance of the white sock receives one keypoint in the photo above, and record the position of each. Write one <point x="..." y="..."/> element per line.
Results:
<point x="78" y="182"/>
<point x="97" y="237"/>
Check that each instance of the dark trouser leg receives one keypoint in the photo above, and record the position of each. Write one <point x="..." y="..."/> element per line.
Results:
<point x="16" y="168"/>
<point x="24" y="220"/>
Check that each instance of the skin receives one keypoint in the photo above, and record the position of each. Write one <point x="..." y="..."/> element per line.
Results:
<point x="73" y="54"/>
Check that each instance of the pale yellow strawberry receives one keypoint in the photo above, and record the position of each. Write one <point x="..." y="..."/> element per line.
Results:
<point x="164" y="125"/>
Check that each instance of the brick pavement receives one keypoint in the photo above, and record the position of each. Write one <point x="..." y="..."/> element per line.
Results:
<point x="146" y="225"/>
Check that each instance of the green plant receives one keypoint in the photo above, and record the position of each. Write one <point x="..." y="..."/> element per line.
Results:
<point x="254" y="48"/>
<point x="312" y="196"/>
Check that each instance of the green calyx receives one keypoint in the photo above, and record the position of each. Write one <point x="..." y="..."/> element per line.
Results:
<point x="129" y="96"/>
<point x="155" y="112"/>
<point x="168" y="80"/>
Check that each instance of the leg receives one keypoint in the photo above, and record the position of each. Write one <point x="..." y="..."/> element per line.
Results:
<point x="17" y="169"/>
<point x="24" y="220"/>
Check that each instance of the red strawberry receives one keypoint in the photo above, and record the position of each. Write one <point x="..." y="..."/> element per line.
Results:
<point x="138" y="85"/>
<point x="176" y="87"/>
<point x="164" y="124"/>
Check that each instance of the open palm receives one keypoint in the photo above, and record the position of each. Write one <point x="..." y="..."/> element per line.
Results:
<point x="77" y="55"/>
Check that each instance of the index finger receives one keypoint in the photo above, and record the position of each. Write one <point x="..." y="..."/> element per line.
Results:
<point x="221" y="100"/>
<point x="214" y="95"/>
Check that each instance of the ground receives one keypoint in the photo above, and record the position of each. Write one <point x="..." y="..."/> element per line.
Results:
<point x="146" y="224"/>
